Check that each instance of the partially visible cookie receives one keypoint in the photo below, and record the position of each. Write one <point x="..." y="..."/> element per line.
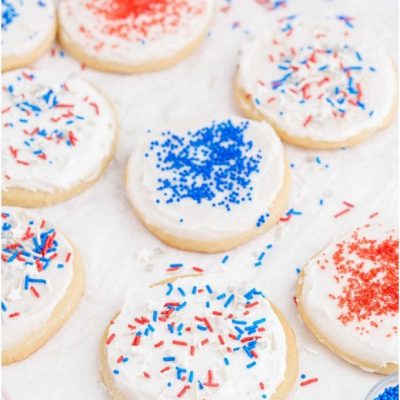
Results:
<point x="209" y="186"/>
<point x="322" y="83"/>
<point x="42" y="282"/>
<point x="59" y="134"/>
<point x="348" y="297"/>
<point x="133" y="36"/>
<point x="199" y="338"/>
<point x="28" y="28"/>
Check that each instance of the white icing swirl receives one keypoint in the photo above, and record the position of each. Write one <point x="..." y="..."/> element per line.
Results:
<point x="367" y="334"/>
<point x="193" y="208"/>
<point x="57" y="130"/>
<point x="35" y="276"/>
<point x="144" y="371"/>
<point x="319" y="79"/>
<point x="25" y="25"/>
<point x="135" y="33"/>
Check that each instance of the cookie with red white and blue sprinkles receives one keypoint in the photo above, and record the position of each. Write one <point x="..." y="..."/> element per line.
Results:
<point x="348" y="297"/>
<point x="28" y="28"/>
<point x="208" y="185"/>
<point x="42" y="282"/>
<point x="131" y="36"/>
<point x="199" y="338"/>
<point x="322" y="83"/>
<point x="59" y="134"/>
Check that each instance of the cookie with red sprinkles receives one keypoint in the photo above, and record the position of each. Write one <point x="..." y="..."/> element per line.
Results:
<point x="348" y="297"/>
<point x="199" y="338"/>
<point x="42" y="278"/>
<point x="133" y="36"/>
<point x="59" y="135"/>
<point x="322" y="83"/>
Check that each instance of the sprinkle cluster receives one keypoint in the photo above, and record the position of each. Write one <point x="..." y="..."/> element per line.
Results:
<point x="213" y="164"/>
<point x="226" y="323"/>
<point x="140" y="20"/>
<point x="368" y="268"/>
<point x="390" y="393"/>
<point x="42" y="118"/>
<point x="27" y="257"/>
<point x="330" y="77"/>
<point x="8" y="14"/>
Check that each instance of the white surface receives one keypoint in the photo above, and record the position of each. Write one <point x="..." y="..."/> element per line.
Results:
<point x="109" y="236"/>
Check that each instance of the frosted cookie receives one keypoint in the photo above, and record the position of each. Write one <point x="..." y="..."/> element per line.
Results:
<point x="321" y="83"/>
<point x="348" y="297"/>
<point x="59" y="135"/>
<point x="42" y="279"/>
<point x="208" y="185"/>
<point x="28" y="28"/>
<point x="197" y="338"/>
<point x="131" y="36"/>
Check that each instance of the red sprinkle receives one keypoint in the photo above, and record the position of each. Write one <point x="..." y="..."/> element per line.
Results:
<point x="309" y="381"/>
<point x="110" y="339"/>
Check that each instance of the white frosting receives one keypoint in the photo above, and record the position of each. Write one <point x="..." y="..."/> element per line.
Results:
<point x="373" y="338"/>
<point x="26" y="309"/>
<point x="59" y="124"/>
<point x="308" y="104"/>
<point x="205" y="219"/>
<point x="25" y="24"/>
<point x="134" y="39"/>
<point x="256" y="380"/>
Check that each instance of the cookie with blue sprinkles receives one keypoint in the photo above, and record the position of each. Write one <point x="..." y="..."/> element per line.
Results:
<point x="42" y="277"/>
<point x="208" y="185"/>
<point x="199" y="338"/>
<point x="28" y="28"/>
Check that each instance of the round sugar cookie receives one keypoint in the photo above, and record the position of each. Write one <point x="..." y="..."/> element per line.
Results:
<point x="348" y="297"/>
<point x="42" y="279"/>
<point x="133" y="36"/>
<point x="321" y="83"/>
<point x="206" y="185"/>
<point x="59" y="134"/>
<point x="28" y="28"/>
<point x="196" y="338"/>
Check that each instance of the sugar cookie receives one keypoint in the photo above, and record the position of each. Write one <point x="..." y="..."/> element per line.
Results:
<point x="209" y="185"/>
<point x="28" y="28"/>
<point x="42" y="282"/>
<point x="59" y="134"/>
<point x="132" y="36"/>
<point x="321" y="83"/>
<point x="348" y="297"/>
<point x="198" y="338"/>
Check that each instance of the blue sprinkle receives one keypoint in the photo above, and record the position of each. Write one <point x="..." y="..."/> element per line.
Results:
<point x="168" y="359"/>
<point x="251" y="365"/>
<point x="202" y="328"/>
<point x="176" y="265"/>
<point x="3" y="306"/>
<point x="170" y="289"/>
<point x="229" y="301"/>
<point x="181" y="306"/>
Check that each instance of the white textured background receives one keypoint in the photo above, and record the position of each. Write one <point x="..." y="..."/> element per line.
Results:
<point x="110" y="237"/>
